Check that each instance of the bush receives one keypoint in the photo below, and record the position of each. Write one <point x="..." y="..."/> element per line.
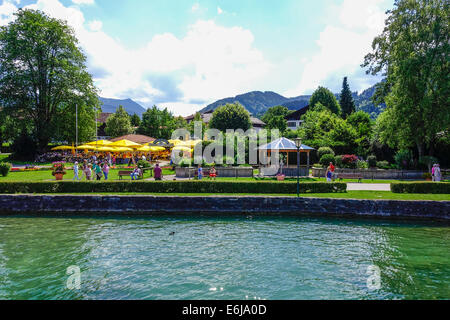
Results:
<point x="383" y="165"/>
<point x="5" y="168"/>
<point x="323" y="151"/>
<point x="317" y="165"/>
<point x="403" y="159"/>
<point x="326" y="159"/>
<point x="349" y="161"/>
<point x="338" y="161"/>
<point x="372" y="161"/>
<point x="270" y="187"/>
<point x="421" y="187"/>
<point x="144" y="164"/>
<point x="362" y="165"/>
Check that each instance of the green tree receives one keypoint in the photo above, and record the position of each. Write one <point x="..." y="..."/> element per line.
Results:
<point x="277" y="122"/>
<point x="180" y="123"/>
<point x="66" y="126"/>
<point x="157" y="123"/>
<point x="135" y="120"/>
<point x="41" y="70"/>
<point x="274" y="112"/>
<point x="364" y="127"/>
<point x="346" y="100"/>
<point x="327" y="99"/>
<point x="231" y="116"/>
<point x="119" y="123"/>
<point x="413" y="54"/>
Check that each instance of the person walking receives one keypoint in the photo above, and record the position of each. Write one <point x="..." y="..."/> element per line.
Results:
<point x="88" y="172"/>
<point x="98" y="171"/>
<point x="433" y="170"/>
<point x="200" y="172"/>
<point x="329" y="174"/>
<point x="76" y="172"/>
<point x="105" y="170"/>
<point x="438" y="173"/>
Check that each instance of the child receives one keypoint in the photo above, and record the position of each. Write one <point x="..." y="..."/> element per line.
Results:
<point x="213" y="173"/>
<point x="200" y="172"/>
<point x="105" y="170"/>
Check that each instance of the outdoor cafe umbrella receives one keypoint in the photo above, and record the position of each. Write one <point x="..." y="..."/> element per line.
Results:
<point x="121" y="149"/>
<point x="101" y="143"/>
<point x="86" y="147"/>
<point x="125" y="144"/>
<point x="182" y="148"/>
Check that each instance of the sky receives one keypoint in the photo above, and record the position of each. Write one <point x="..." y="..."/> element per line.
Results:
<point x="186" y="54"/>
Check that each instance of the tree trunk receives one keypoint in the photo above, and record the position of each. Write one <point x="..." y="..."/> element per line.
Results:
<point x="420" y="149"/>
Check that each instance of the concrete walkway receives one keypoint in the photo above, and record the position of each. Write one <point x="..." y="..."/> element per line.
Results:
<point x="368" y="187"/>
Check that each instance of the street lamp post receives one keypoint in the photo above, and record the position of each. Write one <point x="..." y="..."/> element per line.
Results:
<point x="298" y="144"/>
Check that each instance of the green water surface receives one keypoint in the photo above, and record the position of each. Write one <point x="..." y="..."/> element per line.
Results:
<point x="222" y="258"/>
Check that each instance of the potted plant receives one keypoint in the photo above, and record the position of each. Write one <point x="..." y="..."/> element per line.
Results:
<point x="427" y="176"/>
<point x="281" y="177"/>
<point x="59" y="170"/>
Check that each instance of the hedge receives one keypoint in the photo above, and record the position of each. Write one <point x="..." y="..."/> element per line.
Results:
<point x="170" y="187"/>
<point x="421" y="187"/>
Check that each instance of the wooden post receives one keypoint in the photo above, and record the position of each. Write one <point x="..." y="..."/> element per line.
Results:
<point x="307" y="165"/>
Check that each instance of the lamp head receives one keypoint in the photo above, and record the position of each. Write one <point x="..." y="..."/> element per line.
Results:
<point x="298" y="143"/>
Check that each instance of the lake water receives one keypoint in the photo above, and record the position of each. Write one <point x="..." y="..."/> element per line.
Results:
<point x="223" y="258"/>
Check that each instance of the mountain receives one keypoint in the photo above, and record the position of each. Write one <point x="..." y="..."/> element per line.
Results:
<point x="111" y="106"/>
<point x="257" y="102"/>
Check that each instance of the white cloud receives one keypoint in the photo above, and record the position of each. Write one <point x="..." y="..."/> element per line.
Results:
<point x="219" y="10"/>
<point x="343" y="45"/>
<point x="7" y="8"/>
<point x="208" y="63"/>
<point x="96" y="25"/>
<point x="83" y="1"/>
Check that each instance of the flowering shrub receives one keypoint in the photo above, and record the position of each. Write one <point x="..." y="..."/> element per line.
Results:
<point x="349" y="161"/>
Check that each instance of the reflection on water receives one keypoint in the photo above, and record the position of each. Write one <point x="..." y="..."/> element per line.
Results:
<point x="268" y="258"/>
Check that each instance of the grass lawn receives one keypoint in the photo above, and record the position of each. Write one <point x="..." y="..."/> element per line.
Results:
<point x="367" y="195"/>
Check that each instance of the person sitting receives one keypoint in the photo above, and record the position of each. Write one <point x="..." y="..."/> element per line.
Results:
<point x="158" y="172"/>
<point x="135" y="174"/>
<point x="213" y="173"/>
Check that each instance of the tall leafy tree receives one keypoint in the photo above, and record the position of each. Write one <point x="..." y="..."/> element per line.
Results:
<point x="157" y="123"/>
<point x="346" y="100"/>
<point x="231" y="116"/>
<point x="327" y="99"/>
<point x="135" y="120"/>
<point x="274" y="112"/>
<point x="119" y="123"/>
<point x="42" y="69"/>
<point x="413" y="54"/>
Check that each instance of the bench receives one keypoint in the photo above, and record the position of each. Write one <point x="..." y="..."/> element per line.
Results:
<point x="342" y="176"/>
<point x="128" y="174"/>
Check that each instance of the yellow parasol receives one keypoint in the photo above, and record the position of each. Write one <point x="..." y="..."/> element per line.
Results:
<point x="62" y="148"/>
<point x="100" y="143"/>
<point x="125" y="144"/>
<point x="176" y="142"/>
<point x="157" y="149"/>
<point x="190" y="143"/>
<point x="121" y="149"/>
<point x="144" y="149"/>
<point x="182" y="148"/>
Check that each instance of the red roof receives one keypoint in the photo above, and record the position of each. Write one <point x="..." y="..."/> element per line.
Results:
<point x="137" y="138"/>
